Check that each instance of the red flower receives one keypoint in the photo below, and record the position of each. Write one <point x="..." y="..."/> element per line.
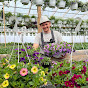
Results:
<point x="66" y="83"/>
<point x="73" y="67"/>
<point x="83" y="71"/>
<point x="54" y="74"/>
<point x="86" y="79"/>
<point x="74" y="77"/>
<point x="61" y="73"/>
<point x="71" y="85"/>
<point x="61" y="65"/>
<point x="79" y="76"/>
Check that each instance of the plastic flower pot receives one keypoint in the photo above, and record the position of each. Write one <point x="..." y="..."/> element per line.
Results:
<point x="62" y="4"/>
<point x="74" y="6"/>
<point x="25" y="2"/>
<point x="52" y="3"/>
<point x="39" y="2"/>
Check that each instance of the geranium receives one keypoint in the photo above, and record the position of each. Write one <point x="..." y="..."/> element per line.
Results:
<point x="57" y="49"/>
<point x="5" y="83"/>
<point x="34" y="69"/>
<point x="6" y="76"/>
<point x="23" y="71"/>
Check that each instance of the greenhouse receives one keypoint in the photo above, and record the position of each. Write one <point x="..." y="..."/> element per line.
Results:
<point x="43" y="43"/>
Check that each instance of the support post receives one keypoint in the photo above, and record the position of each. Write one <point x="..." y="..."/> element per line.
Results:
<point x="4" y="24"/>
<point x="38" y="19"/>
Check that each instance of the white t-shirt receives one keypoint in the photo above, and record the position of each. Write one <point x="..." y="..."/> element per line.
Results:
<point x="46" y="38"/>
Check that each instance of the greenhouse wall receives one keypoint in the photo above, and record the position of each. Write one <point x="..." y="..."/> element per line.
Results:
<point x="30" y="36"/>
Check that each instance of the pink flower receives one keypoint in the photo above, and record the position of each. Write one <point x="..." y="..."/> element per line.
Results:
<point x="23" y="71"/>
<point x="86" y="79"/>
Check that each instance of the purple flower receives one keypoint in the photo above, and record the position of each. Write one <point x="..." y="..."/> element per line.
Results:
<point x="41" y="58"/>
<point x="35" y="62"/>
<point x="29" y="47"/>
<point x="64" y="49"/>
<point x="22" y="49"/>
<point x="60" y="50"/>
<point x="22" y="59"/>
<point x="16" y="49"/>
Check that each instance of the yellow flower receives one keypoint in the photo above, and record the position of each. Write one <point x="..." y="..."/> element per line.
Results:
<point x="5" y="83"/>
<point x="42" y="73"/>
<point x="34" y="69"/>
<point x="12" y="66"/>
<point x="45" y="83"/>
<point x="6" y="76"/>
<point x="41" y="78"/>
<point x="4" y="63"/>
<point x="6" y="60"/>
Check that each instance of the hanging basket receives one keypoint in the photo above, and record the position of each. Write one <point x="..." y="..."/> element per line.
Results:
<point x="74" y="6"/>
<point x="62" y="4"/>
<point x="52" y="3"/>
<point x="25" y="2"/>
<point x="39" y="2"/>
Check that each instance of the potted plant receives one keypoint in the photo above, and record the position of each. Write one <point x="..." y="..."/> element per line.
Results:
<point x="25" y="2"/>
<point x="33" y="18"/>
<point x="74" y="4"/>
<point x="39" y="2"/>
<point x="8" y="15"/>
<point x="46" y="4"/>
<point x="57" y="50"/>
<point x="52" y="3"/>
<point x="52" y="18"/>
<point x="26" y="18"/>
<point x="19" y="17"/>
<point x="61" y="4"/>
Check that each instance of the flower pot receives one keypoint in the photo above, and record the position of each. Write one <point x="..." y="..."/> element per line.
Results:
<point x="26" y="19"/>
<point x="74" y="6"/>
<point x="52" y="3"/>
<point x="62" y="4"/>
<point x="25" y="2"/>
<point x="19" y="18"/>
<point x="33" y="19"/>
<point x="39" y="2"/>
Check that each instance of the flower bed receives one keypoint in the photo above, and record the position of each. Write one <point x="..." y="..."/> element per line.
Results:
<point x="64" y="76"/>
<point x="20" y="75"/>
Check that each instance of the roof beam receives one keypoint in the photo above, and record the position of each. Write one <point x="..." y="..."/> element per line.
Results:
<point x="75" y="14"/>
<point x="66" y="12"/>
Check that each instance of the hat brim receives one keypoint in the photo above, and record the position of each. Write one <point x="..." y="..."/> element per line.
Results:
<point x="44" y="22"/>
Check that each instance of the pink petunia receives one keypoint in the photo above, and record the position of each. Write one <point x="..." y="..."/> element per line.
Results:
<point x="23" y="71"/>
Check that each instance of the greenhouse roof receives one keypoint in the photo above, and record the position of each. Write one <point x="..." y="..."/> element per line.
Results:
<point x="25" y="9"/>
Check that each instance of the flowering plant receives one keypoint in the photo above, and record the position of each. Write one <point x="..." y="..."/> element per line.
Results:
<point x="20" y="75"/>
<point x="59" y="50"/>
<point x="63" y="75"/>
<point x="29" y="54"/>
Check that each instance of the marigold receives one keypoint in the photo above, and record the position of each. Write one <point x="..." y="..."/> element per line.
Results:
<point x="5" y="83"/>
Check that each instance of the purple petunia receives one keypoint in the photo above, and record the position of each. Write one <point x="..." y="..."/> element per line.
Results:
<point x="22" y="49"/>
